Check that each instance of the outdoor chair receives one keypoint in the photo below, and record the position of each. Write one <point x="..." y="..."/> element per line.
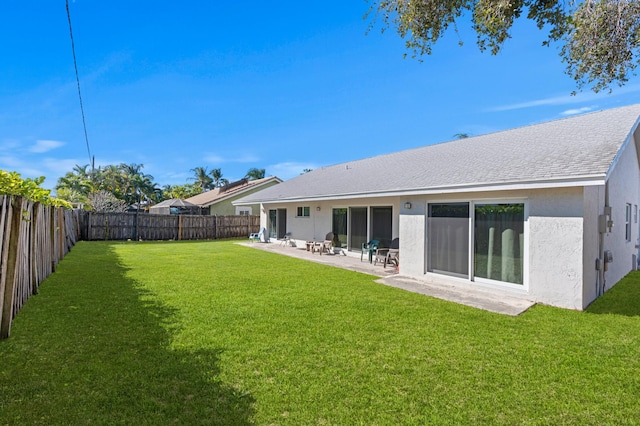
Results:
<point x="393" y="254"/>
<point x="369" y="248"/>
<point x="286" y="240"/>
<point x="327" y="244"/>
<point x="392" y="258"/>
<point x="389" y="254"/>
<point x="316" y="247"/>
<point x="322" y="246"/>
<point x="258" y="235"/>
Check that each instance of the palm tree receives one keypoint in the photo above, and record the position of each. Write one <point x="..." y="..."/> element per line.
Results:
<point x="218" y="180"/>
<point x="255" y="174"/>
<point x="202" y="179"/>
<point x="136" y="184"/>
<point x="75" y="185"/>
<point x="111" y="179"/>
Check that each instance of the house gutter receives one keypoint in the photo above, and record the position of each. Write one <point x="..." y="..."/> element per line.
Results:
<point x="578" y="181"/>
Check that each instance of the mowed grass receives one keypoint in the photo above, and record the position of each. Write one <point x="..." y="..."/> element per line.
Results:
<point x="216" y="333"/>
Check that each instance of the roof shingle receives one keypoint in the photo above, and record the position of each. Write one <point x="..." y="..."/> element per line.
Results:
<point x="578" y="147"/>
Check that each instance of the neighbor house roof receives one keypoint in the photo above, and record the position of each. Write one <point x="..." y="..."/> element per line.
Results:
<point x="579" y="150"/>
<point x="173" y="202"/>
<point x="217" y="195"/>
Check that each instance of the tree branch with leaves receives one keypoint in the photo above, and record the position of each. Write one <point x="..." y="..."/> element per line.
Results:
<point x="599" y="39"/>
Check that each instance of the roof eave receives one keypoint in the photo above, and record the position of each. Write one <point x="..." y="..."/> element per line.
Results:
<point x="578" y="181"/>
<point x="227" y="196"/>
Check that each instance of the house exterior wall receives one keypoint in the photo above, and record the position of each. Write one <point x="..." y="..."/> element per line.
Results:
<point x="226" y="208"/>
<point x="556" y="255"/>
<point x="623" y="188"/>
<point x="593" y="205"/>
<point x="553" y="248"/>
<point x="413" y="237"/>
<point x="562" y="238"/>
<point x="320" y="220"/>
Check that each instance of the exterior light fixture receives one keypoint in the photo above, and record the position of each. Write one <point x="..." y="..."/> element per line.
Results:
<point x="407" y="205"/>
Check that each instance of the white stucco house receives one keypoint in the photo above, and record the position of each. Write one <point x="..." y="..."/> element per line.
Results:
<point x="547" y="211"/>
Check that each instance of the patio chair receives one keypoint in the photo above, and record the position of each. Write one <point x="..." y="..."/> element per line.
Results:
<point x="383" y="249"/>
<point x="327" y="244"/>
<point x="369" y="248"/>
<point x="258" y="235"/>
<point x="393" y="254"/>
<point x="392" y="258"/>
<point x="316" y="247"/>
<point x="286" y="240"/>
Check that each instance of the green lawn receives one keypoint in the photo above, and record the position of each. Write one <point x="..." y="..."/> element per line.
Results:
<point x="216" y="333"/>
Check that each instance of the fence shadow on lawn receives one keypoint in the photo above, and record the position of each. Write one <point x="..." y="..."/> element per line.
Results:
<point x="95" y="347"/>
<point x="622" y="299"/>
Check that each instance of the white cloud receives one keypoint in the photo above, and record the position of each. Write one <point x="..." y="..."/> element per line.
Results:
<point x="575" y="111"/>
<point x="569" y="99"/>
<point x="42" y="146"/>
<point x="214" y="159"/>
<point x="13" y="164"/>
<point x="288" y="170"/>
<point x="557" y="100"/>
<point x="9" y="162"/>
<point x="9" y="145"/>
<point x="59" y="166"/>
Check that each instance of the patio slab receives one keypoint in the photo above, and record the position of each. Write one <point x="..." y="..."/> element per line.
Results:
<point x="440" y="287"/>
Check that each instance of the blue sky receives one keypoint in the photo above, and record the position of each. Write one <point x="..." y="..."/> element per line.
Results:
<point x="282" y="86"/>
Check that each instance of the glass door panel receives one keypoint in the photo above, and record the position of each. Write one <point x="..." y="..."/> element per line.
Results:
<point x="273" y="224"/>
<point x="339" y="226"/>
<point x="357" y="227"/>
<point x="499" y="242"/>
<point x="282" y="223"/>
<point x="448" y="239"/>
<point x="382" y="224"/>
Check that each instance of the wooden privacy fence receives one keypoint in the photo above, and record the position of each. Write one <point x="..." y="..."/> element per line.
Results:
<point x="33" y="239"/>
<point x="132" y="226"/>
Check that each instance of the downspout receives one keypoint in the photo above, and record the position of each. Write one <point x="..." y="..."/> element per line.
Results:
<point x="604" y="220"/>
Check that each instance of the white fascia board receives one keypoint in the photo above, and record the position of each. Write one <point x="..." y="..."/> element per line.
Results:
<point x="236" y="202"/>
<point x="580" y="181"/>
<point x="622" y="148"/>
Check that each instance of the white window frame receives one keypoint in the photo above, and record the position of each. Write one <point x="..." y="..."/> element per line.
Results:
<point x="303" y="211"/>
<point x="243" y="210"/>
<point x="524" y="287"/>
<point x="627" y="223"/>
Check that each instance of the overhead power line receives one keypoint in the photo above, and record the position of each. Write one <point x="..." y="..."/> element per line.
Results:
<point x="75" y="65"/>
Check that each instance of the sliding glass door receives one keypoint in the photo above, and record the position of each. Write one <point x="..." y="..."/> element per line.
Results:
<point x="497" y="239"/>
<point x="277" y="223"/>
<point x="448" y="239"/>
<point x="357" y="227"/>
<point x="339" y="226"/>
<point x="273" y="223"/>
<point x="499" y="242"/>
<point x="382" y="224"/>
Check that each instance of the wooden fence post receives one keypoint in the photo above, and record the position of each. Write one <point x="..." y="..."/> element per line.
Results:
<point x="89" y="236"/>
<point x="33" y="248"/>
<point x="60" y="233"/>
<point x="7" y="284"/>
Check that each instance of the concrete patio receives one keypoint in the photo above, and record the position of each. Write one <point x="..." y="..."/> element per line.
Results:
<point x="455" y="291"/>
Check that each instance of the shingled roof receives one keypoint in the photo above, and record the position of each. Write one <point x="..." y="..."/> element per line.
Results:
<point x="578" y="150"/>
<point x="236" y="188"/>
